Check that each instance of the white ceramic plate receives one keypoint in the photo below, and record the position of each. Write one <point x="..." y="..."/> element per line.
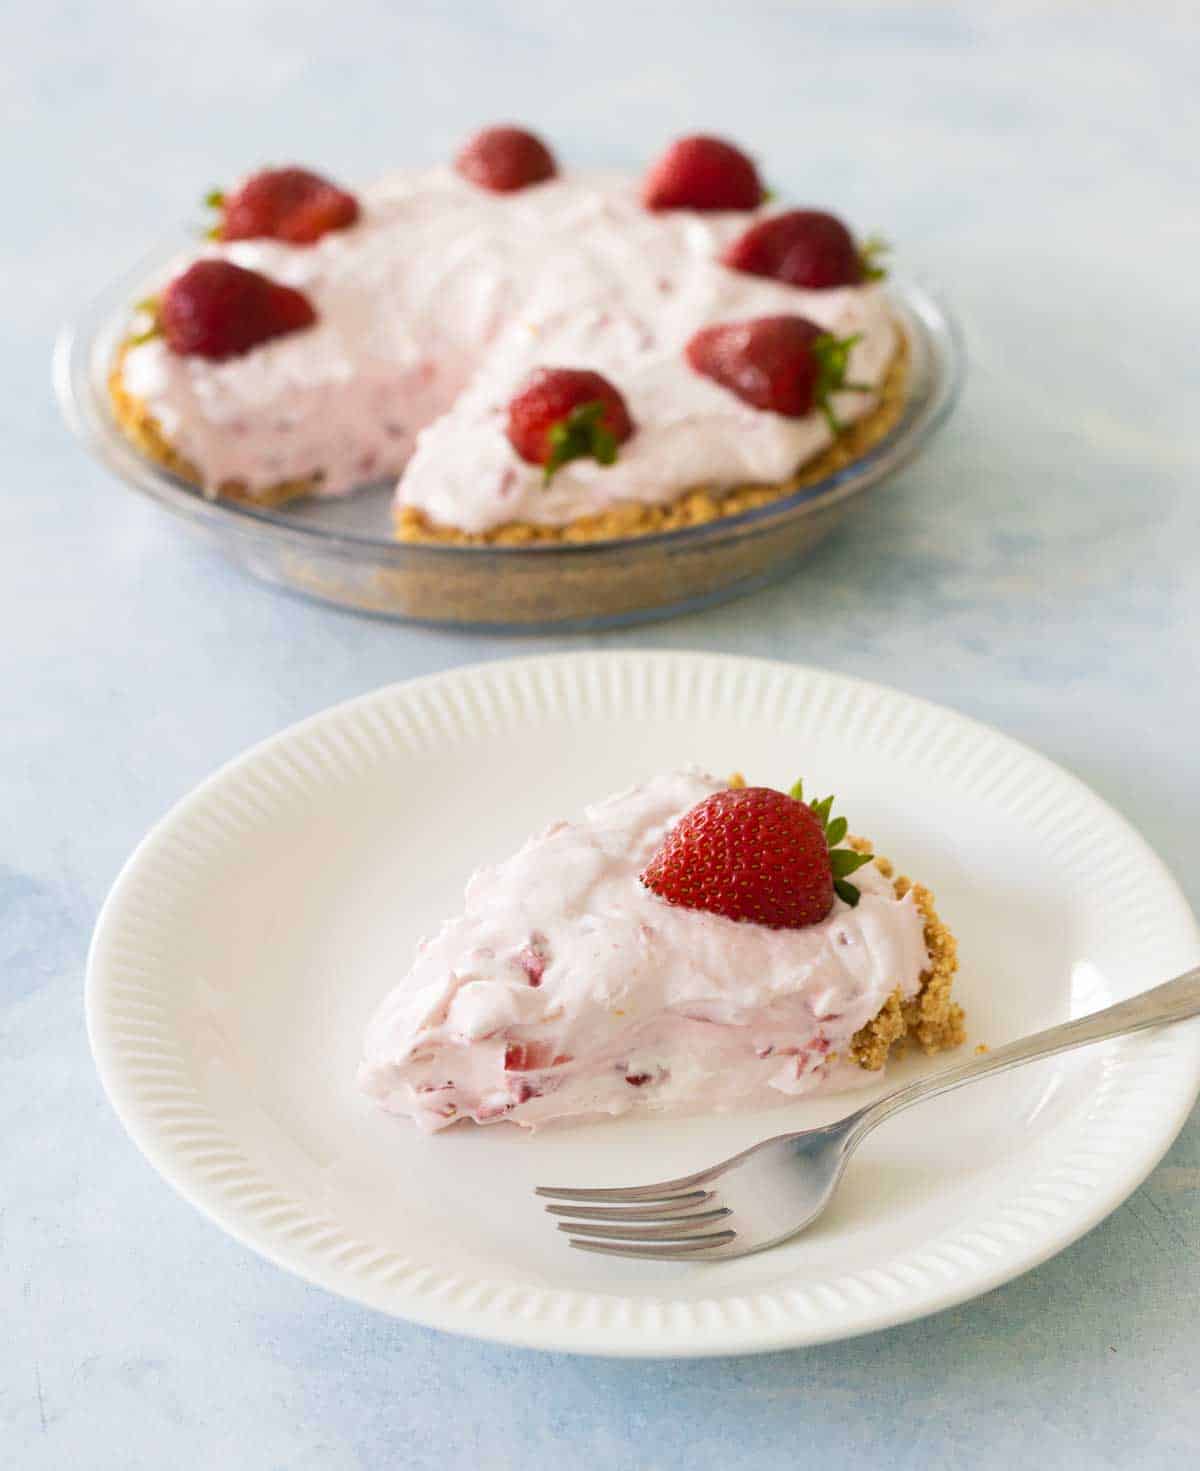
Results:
<point x="252" y="933"/>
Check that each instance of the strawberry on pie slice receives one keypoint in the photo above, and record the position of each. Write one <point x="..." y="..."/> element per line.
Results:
<point x="688" y="945"/>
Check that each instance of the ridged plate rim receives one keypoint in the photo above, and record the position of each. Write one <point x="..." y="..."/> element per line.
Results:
<point x="1149" y="1086"/>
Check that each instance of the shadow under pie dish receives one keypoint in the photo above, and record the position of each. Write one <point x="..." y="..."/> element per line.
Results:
<point x="311" y="414"/>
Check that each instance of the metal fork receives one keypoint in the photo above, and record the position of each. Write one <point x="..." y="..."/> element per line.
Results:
<point x="775" y="1189"/>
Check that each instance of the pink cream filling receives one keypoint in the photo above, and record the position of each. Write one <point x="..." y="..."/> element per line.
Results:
<point x="434" y="307"/>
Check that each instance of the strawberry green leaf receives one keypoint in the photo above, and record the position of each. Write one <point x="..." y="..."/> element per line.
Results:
<point x="581" y="435"/>
<point x="844" y="861"/>
<point x="833" y="361"/>
<point x="148" y="307"/>
<point x="822" y="810"/>
<point x="215" y="198"/>
<point x="871" y="253"/>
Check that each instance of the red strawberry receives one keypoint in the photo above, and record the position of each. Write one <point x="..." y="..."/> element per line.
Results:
<point x="787" y="365"/>
<point x="756" y="855"/>
<point x="803" y="248"/>
<point x="534" y="957"/>
<point x="284" y="204"/>
<point x="218" y="310"/>
<point x="562" y="414"/>
<point x="504" y="159"/>
<point x="529" y="1057"/>
<point x="702" y="173"/>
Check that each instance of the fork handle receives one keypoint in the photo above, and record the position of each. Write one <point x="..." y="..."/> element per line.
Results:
<point x="1172" y="1002"/>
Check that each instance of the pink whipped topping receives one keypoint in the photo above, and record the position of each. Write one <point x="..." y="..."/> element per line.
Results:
<point x="439" y="301"/>
<point x="567" y="989"/>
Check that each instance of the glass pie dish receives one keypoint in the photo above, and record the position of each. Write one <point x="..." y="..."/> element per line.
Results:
<point x="341" y="551"/>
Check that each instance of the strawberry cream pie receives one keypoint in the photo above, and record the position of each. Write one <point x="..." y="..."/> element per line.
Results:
<point x="688" y="945"/>
<point x="537" y="354"/>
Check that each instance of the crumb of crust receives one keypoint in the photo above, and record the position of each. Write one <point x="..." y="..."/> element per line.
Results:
<point x="629" y="519"/>
<point x="981" y="1049"/>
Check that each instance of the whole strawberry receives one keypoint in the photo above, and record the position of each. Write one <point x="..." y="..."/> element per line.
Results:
<point x="289" y="204"/>
<point x="702" y="173"/>
<point x="504" y="159"/>
<point x="562" y="414"/>
<point x="758" y="856"/>
<point x="786" y="365"/>
<point x="804" y="247"/>
<point x="218" y="310"/>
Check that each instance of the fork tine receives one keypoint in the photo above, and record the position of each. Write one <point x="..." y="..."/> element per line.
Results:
<point x="683" y="1227"/>
<point x="633" y="1212"/>
<point x="664" y="1190"/>
<point x="672" y="1251"/>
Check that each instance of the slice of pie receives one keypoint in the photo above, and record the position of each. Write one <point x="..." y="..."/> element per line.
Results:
<point x="600" y="969"/>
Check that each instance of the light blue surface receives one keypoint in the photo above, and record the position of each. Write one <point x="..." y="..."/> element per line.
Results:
<point x="1037" y="571"/>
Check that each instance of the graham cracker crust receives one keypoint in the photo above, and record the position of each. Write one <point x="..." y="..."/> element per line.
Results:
<point x="930" y="1019"/>
<point x="694" y="507"/>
